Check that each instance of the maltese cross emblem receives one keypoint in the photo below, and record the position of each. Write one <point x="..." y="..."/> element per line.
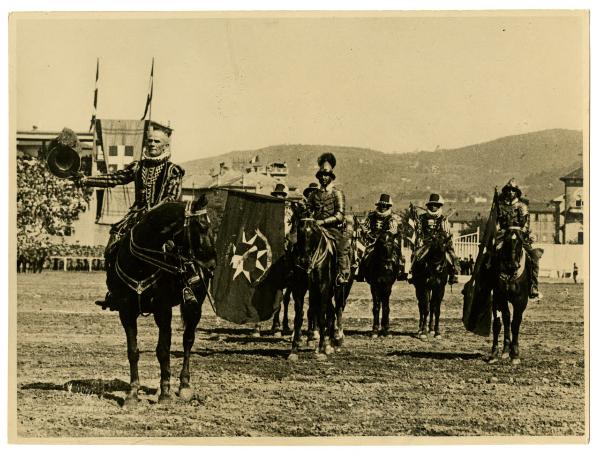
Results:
<point x="252" y="257"/>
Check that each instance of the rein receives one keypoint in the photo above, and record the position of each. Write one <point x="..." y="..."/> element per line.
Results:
<point x="320" y="254"/>
<point x="150" y="256"/>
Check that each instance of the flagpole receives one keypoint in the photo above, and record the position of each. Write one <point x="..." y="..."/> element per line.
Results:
<point x="93" y="121"/>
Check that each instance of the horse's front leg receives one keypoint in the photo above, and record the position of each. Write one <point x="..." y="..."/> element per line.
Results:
<point x="298" y="320"/>
<point x="162" y="317"/>
<point x="515" y="326"/>
<point x="376" y="306"/>
<point x="423" y="300"/>
<point x="286" y="304"/>
<point x="129" y="322"/>
<point x="385" y="312"/>
<point x="191" y="314"/>
<point x="436" y="306"/>
<point x="505" y="309"/>
<point x="339" y="313"/>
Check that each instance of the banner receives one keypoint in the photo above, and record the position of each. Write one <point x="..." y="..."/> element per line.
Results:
<point x="122" y="141"/>
<point x="248" y="279"/>
<point x="477" y="301"/>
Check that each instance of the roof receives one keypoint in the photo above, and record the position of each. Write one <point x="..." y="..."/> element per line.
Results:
<point x="576" y="174"/>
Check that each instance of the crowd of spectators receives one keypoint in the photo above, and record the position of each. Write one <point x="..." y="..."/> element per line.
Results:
<point x="46" y="210"/>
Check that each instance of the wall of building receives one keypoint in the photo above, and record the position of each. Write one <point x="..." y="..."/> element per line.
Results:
<point x="558" y="259"/>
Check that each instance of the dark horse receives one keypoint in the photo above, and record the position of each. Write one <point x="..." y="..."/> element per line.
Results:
<point x="430" y="274"/>
<point x="171" y="244"/>
<point x="315" y="257"/>
<point x="511" y="283"/>
<point x="381" y="270"/>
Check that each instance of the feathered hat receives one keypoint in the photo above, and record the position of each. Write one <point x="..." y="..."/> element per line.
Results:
<point x="512" y="184"/>
<point x="326" y="164"/>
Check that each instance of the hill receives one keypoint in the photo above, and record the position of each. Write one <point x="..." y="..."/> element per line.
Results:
<point x="535" y="159"/>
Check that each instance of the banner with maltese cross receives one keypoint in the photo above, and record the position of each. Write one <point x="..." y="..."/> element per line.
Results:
<point x="249" y="276"/>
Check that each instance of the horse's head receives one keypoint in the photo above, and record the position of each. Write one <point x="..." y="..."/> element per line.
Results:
<point x="387" y="250"/>
<point x="198" y="236"/>
<point x="512" y="250"/>
<point x="437" y="248"/>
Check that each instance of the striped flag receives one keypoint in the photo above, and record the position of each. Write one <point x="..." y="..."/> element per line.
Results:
<point x="412" y="224"/>
<point x="93" y="122"/>
<point x="148" y="107"/>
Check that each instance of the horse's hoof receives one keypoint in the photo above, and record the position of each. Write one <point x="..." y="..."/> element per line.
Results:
<point x="515" y="361"/>
<point x="165" y="399"/>
<point x="186" y="393"/>
<point x="293" y="357"/>
<point x="437" y="336"/>
<point x="321" y="357"/>
<point x="277" y="334"/>
<point x="328" y="350"/>
<point x="255" y="334"/>
<point x="431" y="333"/>
<point x="337" y="349"/>
<point x="311" y="344"/>
<point x="505" y="355"/>
<point x="131" y="402"/>
<point x="423" y="336"/>
<point x="492" y="360"/>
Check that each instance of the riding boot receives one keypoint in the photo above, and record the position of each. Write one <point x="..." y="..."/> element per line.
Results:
<point x="343" y="264"/>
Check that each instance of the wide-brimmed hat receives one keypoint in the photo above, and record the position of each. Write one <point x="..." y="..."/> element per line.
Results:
<point x="326" y="164"/>
<point x="435" y="199"/>
<point x="512" y="184"/>
<point x="310" y="189"/>
<point x="384" y="200"/>
<point x="64" y="154"/>
<point x="280" y="190"/>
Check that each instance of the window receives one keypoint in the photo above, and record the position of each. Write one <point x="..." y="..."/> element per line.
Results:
<point x="113" y="168"/>
<point x="580" y="237"/>
<point x="579" y="203"/>
<point x="128" y="150"/>
<point x="113" y="150"/>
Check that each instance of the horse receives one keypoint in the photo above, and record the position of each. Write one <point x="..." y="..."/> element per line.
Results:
<point x="171" y="245"/>
<point x="511" y="279"/>
<point x="316" y="259"/>
<point x="382" y="267"/>
<point x="430" y="274"/>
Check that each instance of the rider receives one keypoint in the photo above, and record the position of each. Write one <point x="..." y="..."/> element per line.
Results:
<point x="156" y="179"/>
<point x="381" y="219"/>
<point x="431" y="223"/>
<point x="513" y="212"/>
<point x="327" y="205"/>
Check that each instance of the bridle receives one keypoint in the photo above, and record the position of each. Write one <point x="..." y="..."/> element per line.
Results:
<point x="158" y="258"/>
<point x="321" y="251"/>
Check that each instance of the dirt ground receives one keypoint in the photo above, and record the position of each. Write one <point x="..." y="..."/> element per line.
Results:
<point x="73" y="372"/>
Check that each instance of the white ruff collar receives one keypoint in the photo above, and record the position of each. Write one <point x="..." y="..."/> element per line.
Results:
<point x="435" y="214"/>
<point x="328" y="188"/>
<point x="156" y="159"/>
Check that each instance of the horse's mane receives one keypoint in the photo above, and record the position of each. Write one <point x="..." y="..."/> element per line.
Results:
<point x="159" y="224"/>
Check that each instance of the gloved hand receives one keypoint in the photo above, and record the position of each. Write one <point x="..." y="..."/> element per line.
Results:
<point x="320" y="222"/>
<point x="78" y="178"/>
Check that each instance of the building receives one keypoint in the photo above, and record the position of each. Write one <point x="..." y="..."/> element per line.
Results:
<point x="568" y="209"/>
<point x="542" y="222"/>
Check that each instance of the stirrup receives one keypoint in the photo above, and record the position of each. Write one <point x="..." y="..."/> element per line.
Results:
<point x="188" y="296"/>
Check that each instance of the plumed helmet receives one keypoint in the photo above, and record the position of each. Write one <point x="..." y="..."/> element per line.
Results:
<point x="326" y="164"/>
<point x="512" y="185"/>
<point x="435" y="199"/>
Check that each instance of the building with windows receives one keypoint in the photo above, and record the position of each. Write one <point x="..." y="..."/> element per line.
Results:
<point x="568" y="209"/>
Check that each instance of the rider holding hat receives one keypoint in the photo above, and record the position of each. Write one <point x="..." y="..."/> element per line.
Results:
<point x="156" y="180"/>
<point x="328" y="205"/>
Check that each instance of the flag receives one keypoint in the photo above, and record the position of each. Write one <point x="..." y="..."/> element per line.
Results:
<point x="148" y="107"/>
<point x="93" y="122"/>
<point x="249" y="275"/>
<point x="254" y="160"/>
<point x="477" y="301"/>
<point x="412" y="220"/>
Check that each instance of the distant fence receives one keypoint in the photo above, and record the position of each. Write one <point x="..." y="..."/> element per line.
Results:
<point x="76" y="263"/>
<point x="467" y="245"/>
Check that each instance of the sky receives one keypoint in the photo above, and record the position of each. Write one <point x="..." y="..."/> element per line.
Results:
<point x="393" y="84"/>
